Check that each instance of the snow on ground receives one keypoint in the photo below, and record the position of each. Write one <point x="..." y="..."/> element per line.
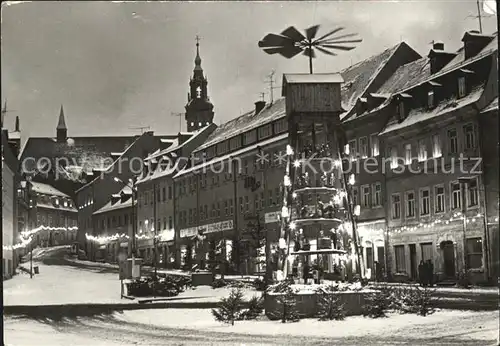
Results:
<point x="31" y="333"/>
<point x="444" y="323"/>
<point x="62" y="285"/>
<point x="70" y="285"/>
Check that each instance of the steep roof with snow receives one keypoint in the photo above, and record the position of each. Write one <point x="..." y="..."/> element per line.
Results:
<point x="493" y="105"/>
<point x="406" y="75"/>
<point x="418" y="115"/>
<point x="47" y="189"/>
<point x="126" y="202"/>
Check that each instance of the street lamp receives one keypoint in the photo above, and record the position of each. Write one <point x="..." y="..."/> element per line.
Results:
<point x="132" y="186"/>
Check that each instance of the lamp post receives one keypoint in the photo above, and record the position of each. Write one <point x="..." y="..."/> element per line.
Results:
<point x="28" y="190"/>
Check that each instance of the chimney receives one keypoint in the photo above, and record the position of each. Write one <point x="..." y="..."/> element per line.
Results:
<point x="474" y="42"/>
<point x="438" y="57"/>
<point x="259" y="106"/>
<point x="438" y="45"/>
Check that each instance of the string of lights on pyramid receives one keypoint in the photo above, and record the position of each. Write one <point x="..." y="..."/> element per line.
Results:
<point x="292" y="42"/>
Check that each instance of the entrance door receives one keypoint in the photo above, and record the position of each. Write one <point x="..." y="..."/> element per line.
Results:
<point x="381" y="258"/>
<point x="448" y="258"/>
<point x="413" y="261"/>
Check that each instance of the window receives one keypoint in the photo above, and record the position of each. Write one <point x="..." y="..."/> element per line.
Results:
<point x="374" y="144"/>
<point x="377" y="192"/>
<point x="427" y="250"/>
<point x="365" y="195"/>
<point x="262" y="201"/>
<point x="222" y="147"/>
<point x="218" y="209"/>
<point x="399" y="254"/>
<point x="352" y="149"/>
<point x="452" y="141"/>
<point x="278" y="196"/>
<point x="170" y="192"/>
<point x="425" y="206"/>
<point x="474" y="253"/>
<point x="408" y="157"/>
<point x="249" y="137"/>
<point x="271" y="199"/>
<point x="430" y="99"/>
<point x="472" y="193"/>
<point x="470" y="142"/>
<point x="235" y="143"/>
<point x="213" y="211"/>
<point x="125" y="217"/>
<point x="461" y="87"/>
<point x="265" y="131"/>
<point x="247" y="203"/>
<point x="394" y="157"/>
<point x="456" y="195"/>
<point x="256" y="201"/>
<point x="410" y="204"/>
<point x="226" y="207"/>
<point x="436" y="146"/>
<point x="280" y="126"/>
<point x="231" y="207"/>
<point x="422" y="150"/>
<point x="396" y="206"/>
<point x="205" y="211"/>
<point x="159" y="224"/>
<point x="369" y="258"/>
<point x="165" y="222"/>
<point x="241" y="204"/>
<point x="355" y="199"/>
<point x="363" y="147"/>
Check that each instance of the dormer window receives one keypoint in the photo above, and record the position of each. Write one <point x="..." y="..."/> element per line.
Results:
<point x="461" y="87"/>
<point x="430" y="99"/>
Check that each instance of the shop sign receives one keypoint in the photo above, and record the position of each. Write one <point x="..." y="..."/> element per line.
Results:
<point x="209" y="228"/>
<point x="271" y="217"/>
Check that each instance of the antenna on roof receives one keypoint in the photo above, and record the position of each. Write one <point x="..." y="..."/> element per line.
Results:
<point x="5" y="111"/>
<point x="262" y="96"/>
<point x="271" y="81"/>
<point x="142" y="128"/>
<point x="180" y="117"/>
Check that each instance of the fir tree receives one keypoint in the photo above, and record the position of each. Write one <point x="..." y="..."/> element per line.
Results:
<point x="330" y="306"/>
<point x="377" y="304"/>
<point x="230" y="308"/>
<point x="287" y="303"/>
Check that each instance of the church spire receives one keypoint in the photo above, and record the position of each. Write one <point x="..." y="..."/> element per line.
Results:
<point x="61" y="130"/>
<point x="197" y="60"/>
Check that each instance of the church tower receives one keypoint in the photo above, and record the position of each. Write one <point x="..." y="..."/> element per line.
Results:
<point x="199" y="109"/>
<point x="61" y="129"/>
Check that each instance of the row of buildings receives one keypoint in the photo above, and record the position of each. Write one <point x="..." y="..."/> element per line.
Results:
<point x="420" y="132"/>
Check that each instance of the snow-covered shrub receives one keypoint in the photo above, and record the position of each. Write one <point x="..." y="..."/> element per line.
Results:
<point x="167" y="286"/>
<point x="259" y="284"/>
<point x="416" y="300"/>
<point x="255" y="307"/>
<point x="287" y="302"/>
<point x="218" y="283"/>
<point x="330" y="306"/>
<point x="377" y="304"/>
<point x="230" y="308"/>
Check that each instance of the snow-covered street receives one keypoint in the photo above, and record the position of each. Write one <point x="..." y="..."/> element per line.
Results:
<point x="197" y="327"/>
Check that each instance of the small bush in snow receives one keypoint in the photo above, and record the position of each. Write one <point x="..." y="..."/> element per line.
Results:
<point x="329" y="304"/>
<point x="377" y="304"/>
<point x="254" y="309"/>
<point x="287" y="302"/>
<point x="218" y="283"/>
<point x="416" y="300"/>
<point x="230" y="308"/>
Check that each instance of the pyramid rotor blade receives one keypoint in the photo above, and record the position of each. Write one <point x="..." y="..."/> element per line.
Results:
<point x="332" y="46"/>
<point x="293" y="33"/>
<point x="335" y="42"/>
<point x="290" y="51"/>
<point x="326" y="51"/>
<point x="342" y="36"/>
<point x="273" y="40"/>
<point x="272" y="50"/>
<point x="311" y="32"/>
<point x="334" y="31"/>
<point x="309" y="52"/>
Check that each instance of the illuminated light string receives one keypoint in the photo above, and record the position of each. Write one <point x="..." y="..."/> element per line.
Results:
<point x="455" y="217"/>
<point x="27" y="236"/>
<point x="118" y="236"/>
